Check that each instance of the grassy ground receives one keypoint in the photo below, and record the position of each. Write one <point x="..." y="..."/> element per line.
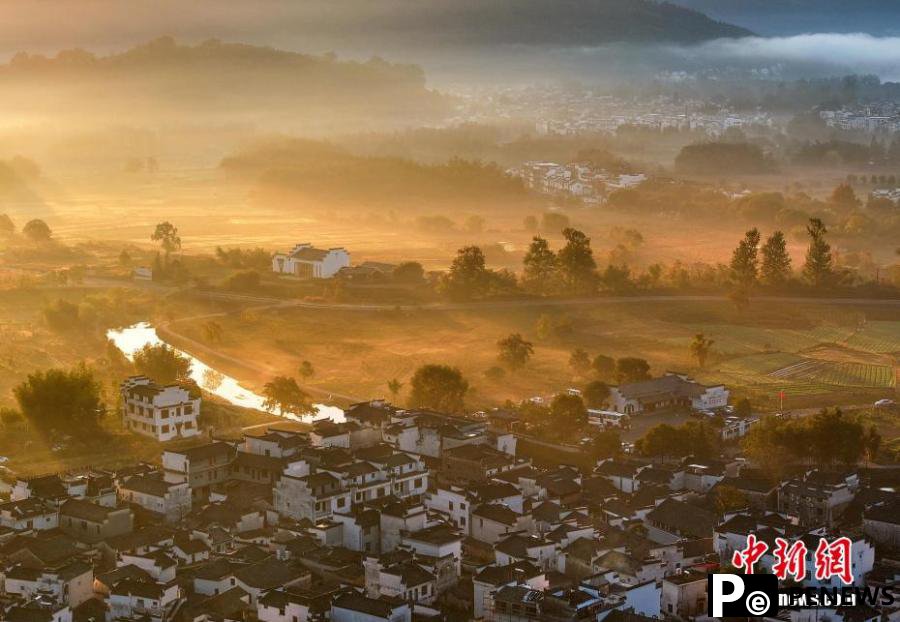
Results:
<point x="357" y="353"/>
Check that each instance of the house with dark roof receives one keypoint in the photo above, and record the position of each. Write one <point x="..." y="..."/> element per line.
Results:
<point x="161" y="412"/>
<point x="89" y="522"/>
<point x="672" y="390"/>
<point x="881" y="522"/>
<point x="673" y="520"/>
<point x="304" y="261"/>
<point x="170" y="501"/>
<point x="355" y="607"/>
<point x="491" y="521"/>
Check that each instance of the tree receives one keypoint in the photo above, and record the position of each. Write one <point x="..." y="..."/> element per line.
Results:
<point x="10" y="418"/>
<point x="285" y="395"/>
<point x="514" y="351"/>
<point x="728" y="499"/>
<point x="743" y="408"/>
<point x="438" y="387"/>
<point x="580" y="361"/>
<point x="576" y="262"/>
<point x="553" y="221"/>
<point x="844" y="196"/>
<point x="243" y="280"/>
<point x="7" y="227"/>
<point x="660" y="441"/>
<point x="700" y="348"/>
<point x="468" y="276"/>
<point x="409" y="273"/>
<point x="568" y="413"/>
<point x="306" y="370"/>
<point x="213" y="331"/>
<point x="37" y="230"/>
<point x="541" y="273"/>
<point x="607" y="444"/>
<point x="62" y="315"/>
<point x="871" y="443"/>
<point x="745" y="259"/>
<point x="631" y="369"/>
<point x="604" y="366"/>
<point x="595" y="394"/>
<point x="394" y="386"/>
<point x="167" y="235"/>
<point x="124" y="258"/>
<point x="162" y="363"/>
<point x="818" y="267"/>
<point x="58" y="401"/>
<point x="776" y="262"/>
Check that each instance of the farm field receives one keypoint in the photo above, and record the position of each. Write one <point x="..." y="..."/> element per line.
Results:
<point x="357" y="353"/>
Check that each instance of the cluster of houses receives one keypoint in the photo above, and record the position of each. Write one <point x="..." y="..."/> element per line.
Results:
<point x="588" y="183"/>
<point x="871" y="119"/>
<point x="402" y="515"/>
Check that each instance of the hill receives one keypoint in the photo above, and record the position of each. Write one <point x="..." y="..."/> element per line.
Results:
<point x="215" y="82"/>
<point x="558" y="23"/>
<point x="792" y="17"/>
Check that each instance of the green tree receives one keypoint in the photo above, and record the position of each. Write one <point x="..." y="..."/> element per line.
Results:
<point x="58" y="401"/>
<point x="607" y="444"/>
<point x="844" y="196"/>
<point x="438" y="387"/>
<point x="243" y="281"/>
<point x="745" y="259"/>
<point x="167" y="235"/>
<point x="631" y="369"/>
<point x="776" y="262"/>
<point x="62" y="315"/>
<point x="743" y="408"/>
<point x="595" y="394"/>
<point x="604" y="366"/>
<point x="871" y="444"/>
<point x="468" y="276"/>
<point x="568" y="413"/>
<point x="576" y="263"/>
<point x="124" y="258"/>
<point x="580" y="361"/>
<point x="661" y="441"/>
<point x="700" y="348"/>
<point x="10" y="418"/>
<point x="306" y="370"/>
<point x="514" y="351"/>
<point x="285" y="395"/>
<point x="162" y="363"/>
<point x="818" y="268"/>
<point x="541" y="272"/>
<point x="728" y="499"/>
<point x="37" y="230"/>
<point x="409" y="273"/>
<point x="394" y="386"/>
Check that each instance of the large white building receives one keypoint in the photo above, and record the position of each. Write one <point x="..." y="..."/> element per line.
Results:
<point x="306" y="262"/>
<point x="669" y="391"/>
<point x="163" y="413"/>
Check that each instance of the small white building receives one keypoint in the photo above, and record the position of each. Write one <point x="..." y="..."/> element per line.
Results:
<point x="170" y="500"/>
<point x="307" y="262"/>
<point x="163" y="413"/>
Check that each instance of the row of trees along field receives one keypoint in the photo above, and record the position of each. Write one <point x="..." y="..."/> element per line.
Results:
<point x="572" y="269"/>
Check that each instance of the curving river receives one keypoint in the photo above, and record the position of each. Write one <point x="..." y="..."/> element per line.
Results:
<point x="132" y="338"/>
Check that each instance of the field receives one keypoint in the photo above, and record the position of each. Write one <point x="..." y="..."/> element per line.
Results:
<point x="757" y="353"/>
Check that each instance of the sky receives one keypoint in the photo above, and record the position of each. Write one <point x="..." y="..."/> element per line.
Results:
<point x="317" y="26"/>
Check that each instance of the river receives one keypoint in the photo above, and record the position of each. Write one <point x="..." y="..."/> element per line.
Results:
<point x="132" y="338"/>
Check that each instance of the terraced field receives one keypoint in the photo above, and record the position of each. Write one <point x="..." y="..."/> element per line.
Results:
<point x="877" y="337"/>
<point x="839" y="374"/>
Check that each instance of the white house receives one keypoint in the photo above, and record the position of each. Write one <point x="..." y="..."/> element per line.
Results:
<point x="163" y="413"/>
<point x="171" y="500"/>
<point x="307" y="262"/>
<point x="671" y="390"/>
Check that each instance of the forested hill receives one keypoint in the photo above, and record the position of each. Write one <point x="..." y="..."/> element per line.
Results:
<point x="558" y="23"/>
<point x="213" y="81"/>
<point x="793" y="17"/>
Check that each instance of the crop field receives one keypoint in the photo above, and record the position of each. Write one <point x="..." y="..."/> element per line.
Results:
<point x="841" y="374"/>
<point x="879" y="337"/>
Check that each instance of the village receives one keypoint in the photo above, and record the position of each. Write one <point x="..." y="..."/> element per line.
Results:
<point x="409" y="514"/>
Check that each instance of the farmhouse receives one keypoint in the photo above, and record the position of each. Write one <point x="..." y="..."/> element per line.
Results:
<point x="307" y="262"/>
<point x="163" y="413"/>
<point x="669" y="391"/>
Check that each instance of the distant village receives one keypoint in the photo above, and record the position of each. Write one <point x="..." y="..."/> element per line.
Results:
<point x="588" y="183"/>
<point x="400" y="514"/>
